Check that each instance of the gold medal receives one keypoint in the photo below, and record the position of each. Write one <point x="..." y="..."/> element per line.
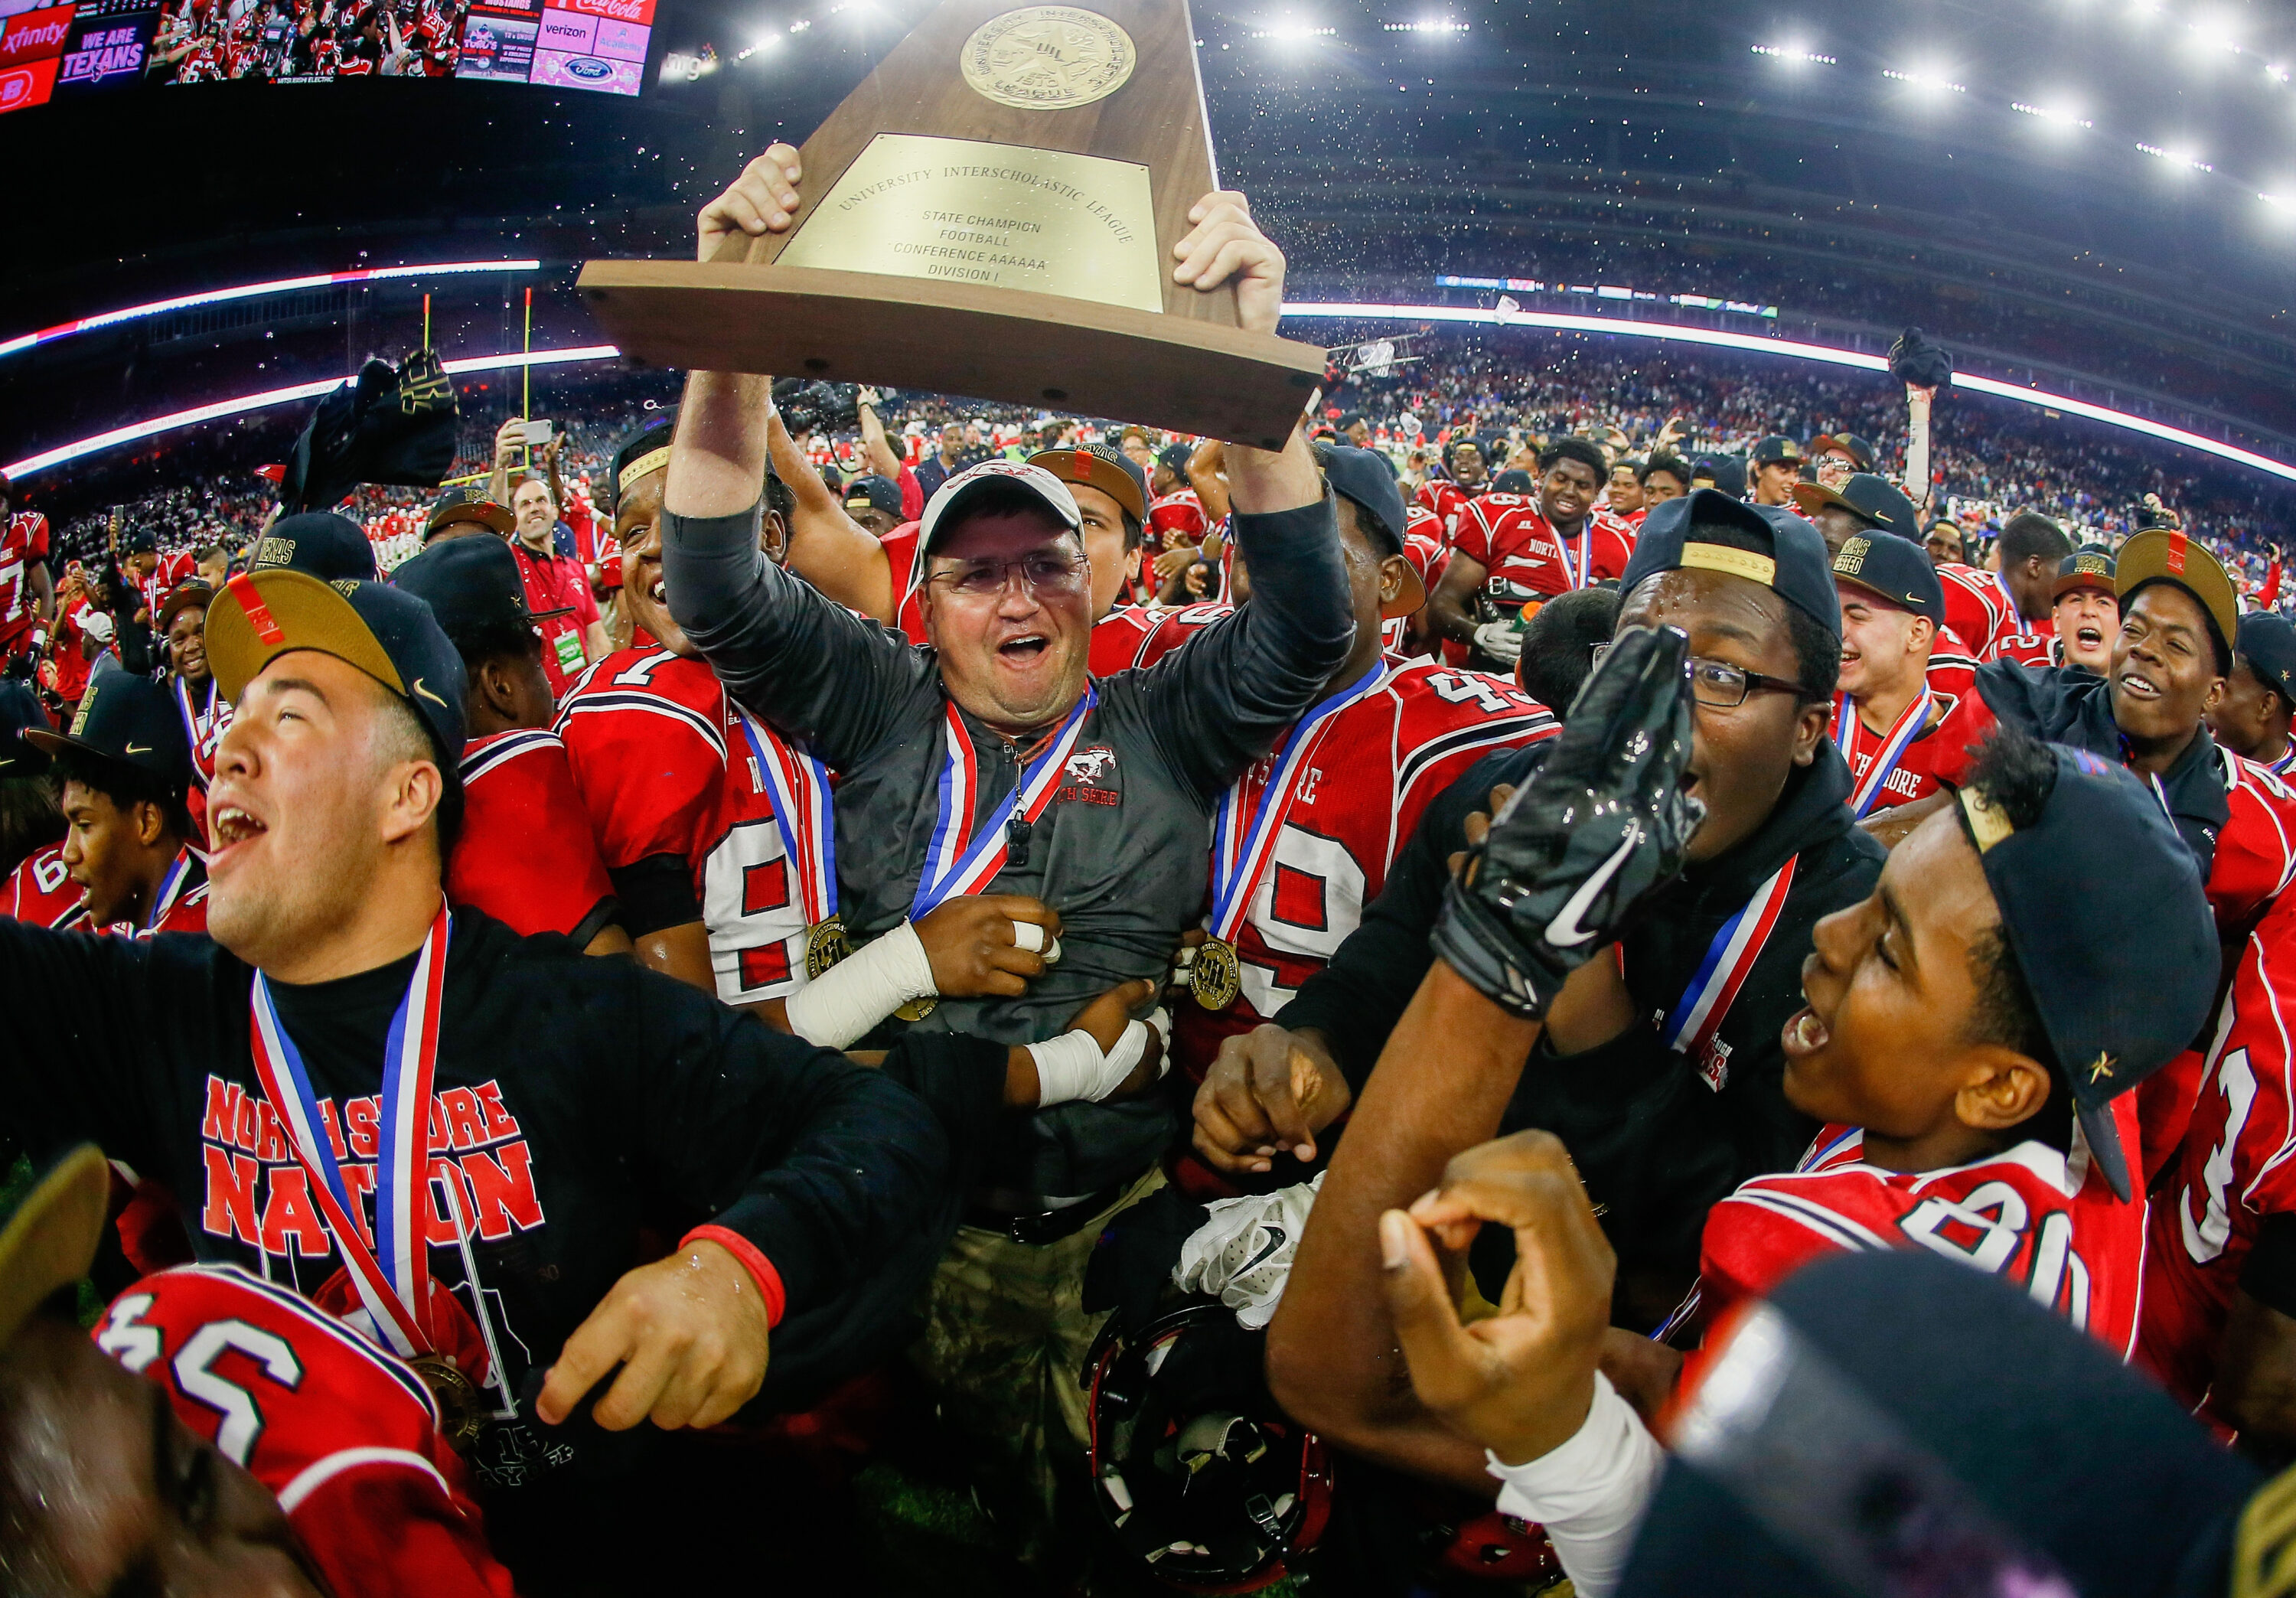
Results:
<point x="461" y="1417"/>
<point x="825" y="943"/>
<point x="1216" y="977"/>
<point x="916" y="1009"/>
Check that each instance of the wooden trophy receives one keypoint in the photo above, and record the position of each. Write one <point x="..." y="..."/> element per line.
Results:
<point x="991" y="213"/>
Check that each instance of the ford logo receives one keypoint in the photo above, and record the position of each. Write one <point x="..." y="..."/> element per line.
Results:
<point x="588" y="67"/>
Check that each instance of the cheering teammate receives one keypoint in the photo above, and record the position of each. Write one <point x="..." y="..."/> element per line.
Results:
<point x="182" y="632"/>
<point x="1902" y="734"/>
<point x="1448" y="496"/>
<point x="124" y="771"/>
<point x="2084" y="612"/>
<point x="1512" y="550"/>
<point x="1303" y="841"/>
<point x="1663" y="1118"/>
<point x="27" y="594"/>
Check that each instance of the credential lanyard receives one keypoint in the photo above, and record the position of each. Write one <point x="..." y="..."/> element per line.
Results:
<point x="953" y="867"/>
<point x="1243" y="843"/>
<point x="1697" y="1015"/>
<point x="804" y="812"/>
<point x="1849" y="731"/>
<point x="393" y="1278"/>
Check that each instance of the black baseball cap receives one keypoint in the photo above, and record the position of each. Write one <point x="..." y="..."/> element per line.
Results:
<point x="471" y="584"/>
<point x="2119" y="995"/>
<point x="874" y="493"/>
<point x="2082" y="568"/>
<point x="1174" y="457"/>
<point x="1100" y="466"/>
<point x="192" y="591"/>
<point x="127" y="720"/>
<point x="20" y="711"/>
<point x="466" y="504"/>
<point x="1796" y="564"/>
<point x="1775" y="448"/>
<point x="2268" y="643"/>
<point x="1886" y="1417"/>
<point x="1514" y="480"/>
<point x="1896" y="569"/>
<point x="319" y="543"/>
<point x="1849" y="444"/>
<point x="644" y="450"/>
<point x="1358" y="475"/>
<point x="386" y="632"/>
<point x="1873" y="500"/>
<point x="140" y="541"/>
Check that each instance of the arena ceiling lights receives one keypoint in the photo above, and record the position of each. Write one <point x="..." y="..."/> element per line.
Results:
<point x="184" y="302"/>
<point x="223" y="409"/>
<point x="1755" y="343"/>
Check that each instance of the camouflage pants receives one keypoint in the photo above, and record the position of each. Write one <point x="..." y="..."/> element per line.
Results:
<point x="1006" y="1338"/>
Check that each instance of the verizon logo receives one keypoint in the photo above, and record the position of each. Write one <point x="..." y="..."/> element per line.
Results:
<point x="640" y="11"/>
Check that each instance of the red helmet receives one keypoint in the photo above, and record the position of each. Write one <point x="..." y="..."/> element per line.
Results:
<point x="1195" y="1473"/>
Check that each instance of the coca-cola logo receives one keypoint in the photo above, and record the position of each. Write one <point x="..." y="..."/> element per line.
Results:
<point x="640" y="11"/>
<point x="34" y="34"/>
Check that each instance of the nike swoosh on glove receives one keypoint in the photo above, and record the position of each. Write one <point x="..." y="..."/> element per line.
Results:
<point x="1242" y="1255"/>
<point x="1596" y="829"/>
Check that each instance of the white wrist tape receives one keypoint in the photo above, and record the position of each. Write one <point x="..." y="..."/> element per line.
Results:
<point x="862" y="989"/>
<point x="1072" y="1067"/>
<point x="1590" y="1492"/>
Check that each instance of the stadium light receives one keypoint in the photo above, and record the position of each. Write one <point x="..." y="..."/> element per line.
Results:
<point x="280" y="285"/>
<point x="1437" y="27"/>
<point x="1932" y="81"/>
<point x="1794" y="55"/>
<point x="2176" y="158"/>
<point x="1792" y="350"/>
<point x="223" y="409"/>
<point x="2054" y="115"/>
<point x="1293" y="31"/>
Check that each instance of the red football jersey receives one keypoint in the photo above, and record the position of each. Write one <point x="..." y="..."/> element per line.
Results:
<point x="71" y="666"/>
<point x="1175" y="627"/>
<point x="1374" y="768"/>
<point x="41" y="892"/>
<point x="2030" y="1215"/>
<point x="2237" y="1165"/>
<point x="2036" y="648"/>
<point x="1444" y="500"/>
<point x="2256" y="852"/>
<point x="22" y="542"/>
<point x="1939" y="757"/>
<point x="1977" y="608"/>
<point x="658" y="752"/>
<point x="1179" y="512"/>
<point x="526" y="856"/>
<point x="345" y="1435"/>
<point x="1508" y="535"/>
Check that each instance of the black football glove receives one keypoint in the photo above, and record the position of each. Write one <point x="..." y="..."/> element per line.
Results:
<point x="1595" y="830"/>
<point x="1915" y="359"/>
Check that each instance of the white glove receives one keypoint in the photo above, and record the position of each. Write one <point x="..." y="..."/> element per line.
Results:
<point x="1499" y="641"/>
<point x="1243" y="1253"/>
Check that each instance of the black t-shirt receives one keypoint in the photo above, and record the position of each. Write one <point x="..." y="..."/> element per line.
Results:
<point x="579" y="1100"/>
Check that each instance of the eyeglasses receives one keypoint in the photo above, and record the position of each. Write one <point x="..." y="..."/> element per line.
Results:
<point x="1041" y="572"/>
<point x="1719" y="683"/>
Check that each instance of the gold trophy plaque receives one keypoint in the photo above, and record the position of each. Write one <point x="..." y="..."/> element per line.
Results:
<point x="991" y="213"/>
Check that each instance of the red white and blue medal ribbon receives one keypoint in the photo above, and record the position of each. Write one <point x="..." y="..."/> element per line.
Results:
<point x="171" y="888"/>
<point x="1697" y="1015"/>
<point x="2279" y="766"/>
<point x="393" y="1278"/>
<point x="1576" y="577"/>
<point x="2010" y="613"/>
<point x="954" y="866"/>
<point x="1848" y="731"/>
<point x="202" y="728"/>
<point x="803" y="811"/>
<point x="1243" y="843"/>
